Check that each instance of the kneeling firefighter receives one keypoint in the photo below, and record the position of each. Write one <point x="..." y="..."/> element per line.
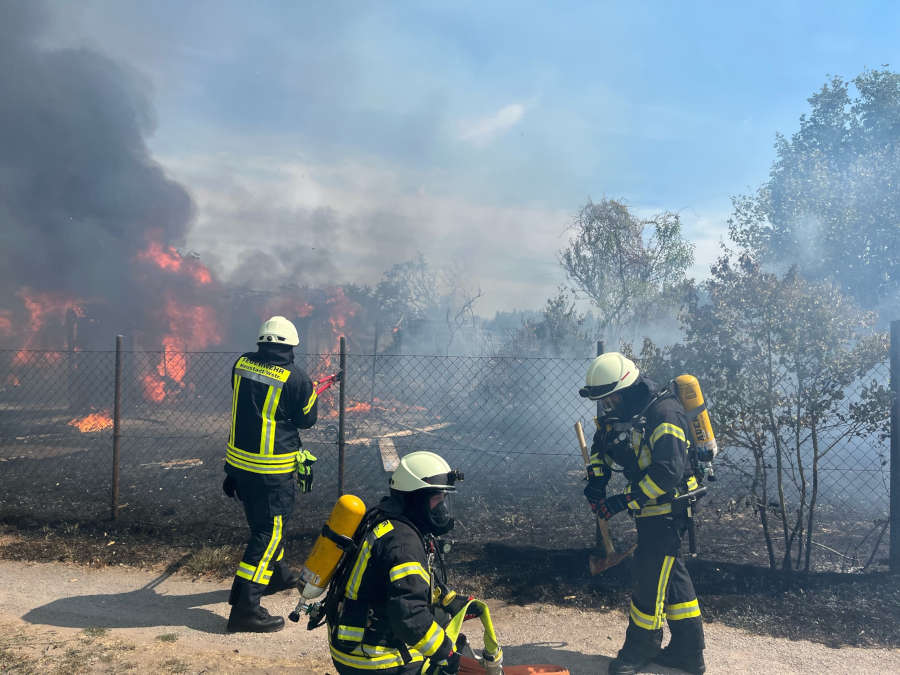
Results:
<point x="644" y="431"/>
<point x="393" y="600"/>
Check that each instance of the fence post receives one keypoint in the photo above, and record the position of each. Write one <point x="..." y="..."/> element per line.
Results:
<point x="117" y="406"/>
<point x="341" y="386"/>
<point x="894" y="555"/>
<point x="374" y="357"/>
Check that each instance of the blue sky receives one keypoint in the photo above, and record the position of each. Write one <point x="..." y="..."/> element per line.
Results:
<point x="471" y="132"/>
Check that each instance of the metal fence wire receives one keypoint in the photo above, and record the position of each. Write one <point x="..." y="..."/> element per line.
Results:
<point x="506" y="422"/>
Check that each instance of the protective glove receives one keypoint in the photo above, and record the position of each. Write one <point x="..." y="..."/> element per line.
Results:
<point x="305" y="460"/>
<point x="595" y="491"/>
<point x="607" y="508"/>
<point x="229" y="487"/>
<point x="455" y="605"/>
<point x="474" y="611"/>
<point x="449" y="666"/>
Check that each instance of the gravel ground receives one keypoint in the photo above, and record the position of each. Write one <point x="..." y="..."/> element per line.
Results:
<point x="73" y="618"/>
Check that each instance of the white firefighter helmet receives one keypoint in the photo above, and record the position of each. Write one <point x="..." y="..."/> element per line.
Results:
<point x="607" y="374"/>
<point x="278" y="330"/>
<point x="423" y="470"/>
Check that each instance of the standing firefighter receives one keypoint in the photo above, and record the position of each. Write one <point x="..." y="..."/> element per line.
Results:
<point x="271" y="400"/>
<point x="644" y="431"/>
<point x="394" y="603"/>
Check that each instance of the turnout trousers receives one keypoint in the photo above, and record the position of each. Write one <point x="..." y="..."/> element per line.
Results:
<point x="268" y="503"/>
<point x="662" y="585"/>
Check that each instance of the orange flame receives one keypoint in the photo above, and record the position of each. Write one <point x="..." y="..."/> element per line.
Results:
<point x="12" y="380"/>
<point x="41" y="307"/>
<point x="154" y="388"/>
<point x="167" y="258"/>
<point x="94" y="422"/>
<point x="173" y="363"/>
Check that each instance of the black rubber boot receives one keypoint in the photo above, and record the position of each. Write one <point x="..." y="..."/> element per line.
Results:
<point x="685" y="649"/>
<point x="253" y="620"/>
<point x="639" y="649"/>
<point x="283" y="578"/>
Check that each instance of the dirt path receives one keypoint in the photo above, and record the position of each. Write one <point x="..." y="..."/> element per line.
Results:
<point x="67" y="618"/>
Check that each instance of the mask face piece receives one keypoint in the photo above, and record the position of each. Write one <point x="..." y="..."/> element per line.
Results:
<point x="440" y="516"/>
<point x="611" y="403"/>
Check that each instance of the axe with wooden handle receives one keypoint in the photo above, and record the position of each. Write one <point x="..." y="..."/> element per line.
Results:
<point x="609" y="557"/>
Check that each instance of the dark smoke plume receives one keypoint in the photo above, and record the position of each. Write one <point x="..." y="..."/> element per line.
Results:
<point x="79" y="191"/>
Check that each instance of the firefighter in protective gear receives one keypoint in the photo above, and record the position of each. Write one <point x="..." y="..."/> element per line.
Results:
<point x="394" y="600"/>
<point x="272" y="399"/>
<point x="645" y="431"/>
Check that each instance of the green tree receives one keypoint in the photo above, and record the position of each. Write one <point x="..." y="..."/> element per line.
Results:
<point x="831" y="204"/>
<point x="776" y="355"/>
<point x="630" y="268"/>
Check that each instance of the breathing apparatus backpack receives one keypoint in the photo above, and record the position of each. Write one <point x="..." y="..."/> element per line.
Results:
<point x="703" y="442"/>
<point x="336" y="544"/>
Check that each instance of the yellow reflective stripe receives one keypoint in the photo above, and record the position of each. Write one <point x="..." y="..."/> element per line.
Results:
<point x="255" y="457"/>
<point x="447" y="599"/>
<point x="259" y="467"/>
<point x="234" y="398"/>
<point x="654" y="510"/>
<point x="359" y="567"/>
<point x="642" y="620"/>
<point x="666" y="428"/>
<point x="692" y="483"/>
<point x="683" y="610"/>
<point x="372" y="657"/>
<point x="644" y="457"/>
<point x="245" y="571"/>
<point x="268" y="422"/>
<point x="350" y="633"/>
<point x="650" y="488"/>
<point x="405" y="569"/>
<point x="270" y="550"/>
<point x="433" y="638"/>
<point x="280" y="555"/>
<point x="310" y="402"/>
<point x="661" y="587"/>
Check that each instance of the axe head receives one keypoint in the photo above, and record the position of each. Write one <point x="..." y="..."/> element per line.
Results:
<point x="599" y="564"/>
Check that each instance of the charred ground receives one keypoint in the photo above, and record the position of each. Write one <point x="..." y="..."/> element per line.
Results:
<point x="830" y="608"/>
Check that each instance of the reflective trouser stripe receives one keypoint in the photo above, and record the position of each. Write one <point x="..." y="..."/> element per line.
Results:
<point x="654" y="622"/>
<point x="683" y="610"/>
<point x="274" y="541"/>
<point x="245" y="571"/>
<point x="373" y="657"/>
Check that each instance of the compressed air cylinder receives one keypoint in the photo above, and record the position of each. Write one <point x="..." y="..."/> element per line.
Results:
<point x="701" y="428"/>
<point x="322" y="561"/>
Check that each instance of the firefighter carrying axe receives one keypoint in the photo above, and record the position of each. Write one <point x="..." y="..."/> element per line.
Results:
<point x="607" y="556"/>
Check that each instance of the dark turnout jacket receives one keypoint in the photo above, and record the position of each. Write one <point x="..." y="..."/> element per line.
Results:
<point x="272" y="398"/>
<point x="386" y="617"/>
<point x="651" y="444"/>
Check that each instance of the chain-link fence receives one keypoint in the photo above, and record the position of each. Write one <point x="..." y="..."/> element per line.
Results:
<point x="506" y="422"/>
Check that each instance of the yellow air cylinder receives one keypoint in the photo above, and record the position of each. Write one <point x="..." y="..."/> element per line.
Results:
<point x="326" y="553"/>
<point x="701" y="428"/>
